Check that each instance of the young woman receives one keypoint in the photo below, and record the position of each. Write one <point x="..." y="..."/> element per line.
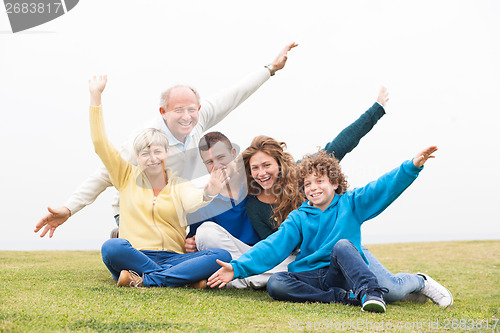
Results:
<point x="153" y="207"/>
<point x="274" y="193"/>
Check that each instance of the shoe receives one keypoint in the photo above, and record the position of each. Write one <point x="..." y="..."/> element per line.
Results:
<point x="415" y="298"/>
<point x="198" y="285"/>
<point x="372" y="300"/>
<point x="129" y="279"/>
<point x="436" y="292"/>
<point x="114" y="233"/>
<point x="351" y="299"/>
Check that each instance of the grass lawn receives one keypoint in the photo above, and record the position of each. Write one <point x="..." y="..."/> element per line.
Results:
<point x="73" y="291"/>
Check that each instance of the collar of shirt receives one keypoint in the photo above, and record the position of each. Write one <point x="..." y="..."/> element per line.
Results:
<point x="172" y="141"/>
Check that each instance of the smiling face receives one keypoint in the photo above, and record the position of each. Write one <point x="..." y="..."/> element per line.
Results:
<point x="219" y="155"/>
<point x="150" y="160"/>
<point x="182" y="112"/>
<point x="264" y="170"/>
<point x="319" y="191"/>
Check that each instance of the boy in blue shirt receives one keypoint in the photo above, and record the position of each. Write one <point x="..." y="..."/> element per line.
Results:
<point x="327" y="229"/>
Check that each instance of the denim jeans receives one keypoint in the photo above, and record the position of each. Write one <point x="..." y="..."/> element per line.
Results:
<point x="399" y="285"/>
<point x="347" y="271"/>
<point x="161" y="268"/>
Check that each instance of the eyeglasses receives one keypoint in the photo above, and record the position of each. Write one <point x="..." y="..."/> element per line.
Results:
<point x="190" y="109"/>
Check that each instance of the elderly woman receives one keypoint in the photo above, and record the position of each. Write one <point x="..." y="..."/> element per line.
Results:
<point x="153" y="207"/>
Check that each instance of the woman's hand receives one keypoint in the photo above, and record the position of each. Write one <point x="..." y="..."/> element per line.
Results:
<point x="96" y="87"/>
<point x="223" y="276"/>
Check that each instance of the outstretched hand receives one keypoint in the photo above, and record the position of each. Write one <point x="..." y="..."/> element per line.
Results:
<point x="282" y="57"/>
<point x="51" y="221"/>
<point x="383" y="96"/>
<point x="223" y="276"/>
<point x="96" y="87"/>
<point x="423" y="156"/>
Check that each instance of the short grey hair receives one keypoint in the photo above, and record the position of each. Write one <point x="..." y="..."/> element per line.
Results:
<point x="166" y="94"/>
<point x="148" y="137"/>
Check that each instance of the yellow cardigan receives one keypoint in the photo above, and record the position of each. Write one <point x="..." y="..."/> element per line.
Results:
<point x="147" y="222"/>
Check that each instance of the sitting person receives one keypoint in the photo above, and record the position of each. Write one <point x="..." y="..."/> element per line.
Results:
<point x="274" y="193"/>
<point x="153" y="208"/>
<point x="224" y="223"/>
<point x="327" y="230"/>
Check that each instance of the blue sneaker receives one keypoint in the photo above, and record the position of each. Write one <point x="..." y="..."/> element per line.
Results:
<point x="351" y="299"/>
<point x="372" y="300"/>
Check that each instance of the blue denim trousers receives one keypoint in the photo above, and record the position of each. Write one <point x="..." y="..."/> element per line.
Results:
<point x="399" y="285"/>
<point x="347" y="271"/>
<point x="161" y="268"/>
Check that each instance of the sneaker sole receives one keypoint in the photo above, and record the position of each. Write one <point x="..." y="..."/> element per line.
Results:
<point x="373" y="306"/>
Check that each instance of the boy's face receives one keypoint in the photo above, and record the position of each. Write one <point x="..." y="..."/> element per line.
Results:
<point x="319" y="191"/>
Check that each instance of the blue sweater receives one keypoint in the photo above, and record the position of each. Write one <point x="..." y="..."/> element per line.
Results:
<point x="316" y="231"/>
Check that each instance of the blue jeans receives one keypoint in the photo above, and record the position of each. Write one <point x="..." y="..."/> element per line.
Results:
<point x="161" y="268"/>
<point x="347" y="271"/>
<point x="399" y="285"/>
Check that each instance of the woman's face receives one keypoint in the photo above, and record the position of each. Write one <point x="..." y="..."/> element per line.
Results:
<point x="150" y="158"/>
<point x="264" y="169"/>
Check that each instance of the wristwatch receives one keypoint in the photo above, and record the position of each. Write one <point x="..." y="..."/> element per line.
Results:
<point x="271" y="69"/>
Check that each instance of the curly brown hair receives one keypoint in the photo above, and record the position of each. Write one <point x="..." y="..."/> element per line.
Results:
<point x="322" y="164"/>
<point x="287" y="195"/>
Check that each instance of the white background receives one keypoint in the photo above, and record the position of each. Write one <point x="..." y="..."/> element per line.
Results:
<point x="439" y="59"/>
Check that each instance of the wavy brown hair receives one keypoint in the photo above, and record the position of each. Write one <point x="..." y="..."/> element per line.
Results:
<point x="286" y="191"/>
<point x="322" y="164"/>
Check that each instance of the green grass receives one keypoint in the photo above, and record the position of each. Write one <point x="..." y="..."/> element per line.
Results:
<point x="73" y="291"/>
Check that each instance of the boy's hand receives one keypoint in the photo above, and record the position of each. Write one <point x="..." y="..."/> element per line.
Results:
<point x="383" y="96"/>
<point x="223" y="276"/>
<point x="423" y="156"/>
<point x="218" y="178"/>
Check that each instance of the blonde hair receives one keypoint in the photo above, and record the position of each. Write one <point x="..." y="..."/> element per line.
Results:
<point x="148" y="137"/>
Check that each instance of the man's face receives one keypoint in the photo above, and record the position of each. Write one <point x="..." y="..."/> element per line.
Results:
<point x="181" y="115"/>
<point x="218" y="156"/>
<point x="319" y="191"/>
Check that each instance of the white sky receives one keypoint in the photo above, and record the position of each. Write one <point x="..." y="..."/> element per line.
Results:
<point x="439" y="59"/>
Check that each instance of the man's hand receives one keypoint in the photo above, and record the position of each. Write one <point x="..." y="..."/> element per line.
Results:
<point x="51" y="221"/>
<point x="190" y="245"/>
<point x="218" y="178"/>
<point x="423" y="156"/>
<point x="223" y="276"/>
<point x="96" y="87"/>
<point x="383" y="96"/>
<point x="280" y="60"/>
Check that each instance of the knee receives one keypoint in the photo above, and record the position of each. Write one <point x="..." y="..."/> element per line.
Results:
<point x="113" y="247"/>
<point x="208" y="235"/>
<point x="222" y="255"/>
<point x="277" y="286"/>
<point x="342" y="245"/>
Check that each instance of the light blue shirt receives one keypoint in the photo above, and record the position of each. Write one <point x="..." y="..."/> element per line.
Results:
<point x="172" y="141"/>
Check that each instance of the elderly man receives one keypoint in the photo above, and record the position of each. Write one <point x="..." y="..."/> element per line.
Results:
<point x="184" y="119"/>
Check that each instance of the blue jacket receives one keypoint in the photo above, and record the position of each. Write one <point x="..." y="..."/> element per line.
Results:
<point x="315" y="232"/>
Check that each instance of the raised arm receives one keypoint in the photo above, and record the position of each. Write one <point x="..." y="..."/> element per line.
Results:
<point x="350" y="136"/>
<point x="216" y="108"/>
<point x="372" y="199"/>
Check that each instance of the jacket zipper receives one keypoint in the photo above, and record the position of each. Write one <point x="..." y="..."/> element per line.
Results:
<point x="154" y="222"/>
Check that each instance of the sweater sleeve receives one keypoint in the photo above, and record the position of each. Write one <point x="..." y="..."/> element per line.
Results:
<point x="268" y="253"/>
<point x="372" y="199"/>
<point x="217" y="107"/>
<point x="350" y="136"/>
<point x="118" y="168"/>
